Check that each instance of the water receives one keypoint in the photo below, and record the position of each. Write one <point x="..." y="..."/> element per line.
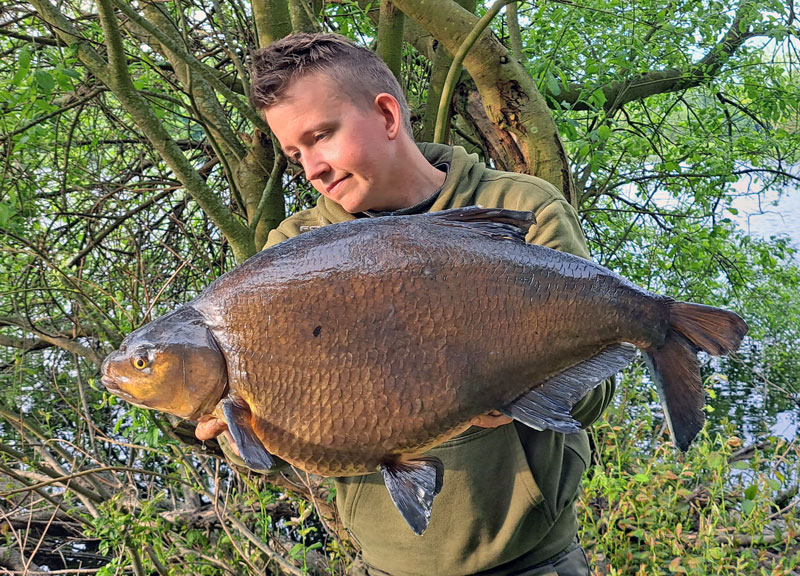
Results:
<point x="768" y="411"/>
<point x="771" y="216"/>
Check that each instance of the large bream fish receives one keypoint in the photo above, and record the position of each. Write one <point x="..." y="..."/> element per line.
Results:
<point x="359" y="346"/>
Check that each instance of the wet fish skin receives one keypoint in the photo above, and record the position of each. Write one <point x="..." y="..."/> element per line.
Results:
<point x="369" y="342"/>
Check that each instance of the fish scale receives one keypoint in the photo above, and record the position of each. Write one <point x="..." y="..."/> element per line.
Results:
<point x="281" y="402"/>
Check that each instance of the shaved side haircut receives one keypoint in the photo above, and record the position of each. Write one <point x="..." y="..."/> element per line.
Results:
<point x="358" y="72"/>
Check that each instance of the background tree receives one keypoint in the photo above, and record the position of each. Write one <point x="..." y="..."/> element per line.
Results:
<point x="134" y="171"/>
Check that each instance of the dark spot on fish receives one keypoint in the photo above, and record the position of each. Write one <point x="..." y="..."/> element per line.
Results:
<point x="317" y="331"/>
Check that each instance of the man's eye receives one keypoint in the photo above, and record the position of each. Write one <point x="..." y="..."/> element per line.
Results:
<point x="321" y="135"/>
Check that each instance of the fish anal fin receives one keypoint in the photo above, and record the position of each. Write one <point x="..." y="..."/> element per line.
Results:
<point x="493" y="222"/>
<point x="548" y="406"/>
<point x="412" y="485"/>
<point x="240" y="425"/>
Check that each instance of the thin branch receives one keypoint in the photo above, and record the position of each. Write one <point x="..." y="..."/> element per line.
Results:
<point x="207" y="73"/>
<point x="45" y="40"/>
<point x="117" y="223"/>
<point x="455" y="67"/>
<point x="40" y="119"/>
<point x="59" y="341"/>
<point x="662" y="81"/>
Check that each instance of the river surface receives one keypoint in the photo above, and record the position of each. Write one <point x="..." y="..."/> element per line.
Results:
<point x="771" y="216"/>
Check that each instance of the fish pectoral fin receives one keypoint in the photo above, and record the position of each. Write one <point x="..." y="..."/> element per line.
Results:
<point x="496" y="223"/>
<point x="240" y="425"/>
<point x="412" y="486"/>
<point x="549" y="405"/>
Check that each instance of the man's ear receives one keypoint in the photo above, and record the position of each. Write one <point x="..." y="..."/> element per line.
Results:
<point x="388" y="107"/>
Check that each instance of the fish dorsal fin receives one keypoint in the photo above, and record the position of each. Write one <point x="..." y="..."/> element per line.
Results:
<point x="240" y="425"/>
<point x="548" y="406"/>
<point x="494" y="222"/>
<point x="412" y="485"/>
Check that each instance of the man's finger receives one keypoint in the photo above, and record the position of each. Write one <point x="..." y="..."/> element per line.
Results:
<point x="210" y="428"/>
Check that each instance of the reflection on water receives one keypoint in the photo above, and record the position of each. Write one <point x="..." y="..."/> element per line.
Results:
<point x="769" y="216"/>
<point x="761" y="399"/>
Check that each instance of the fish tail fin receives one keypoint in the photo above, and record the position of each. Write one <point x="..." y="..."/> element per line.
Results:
<point x="675" y="367"/>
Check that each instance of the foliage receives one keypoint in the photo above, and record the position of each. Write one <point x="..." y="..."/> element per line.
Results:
<point x="134" y="171"/>
<point x="719" y="509"/>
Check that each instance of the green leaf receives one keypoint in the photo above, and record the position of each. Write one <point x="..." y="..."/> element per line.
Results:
<point x="741" y="465"/>
<point x="598" y="98"/>
<point x="6" y="211"/>
<point x="44" y="80"/>
<point x="552" y="85"/>
<point x="748" y="506"/>
<point x="23" y="65"/>
<point x="751" y="492"/>
<point x="604" y="132"/>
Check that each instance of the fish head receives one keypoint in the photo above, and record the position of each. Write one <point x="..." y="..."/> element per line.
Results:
<point x="173" y="364"/>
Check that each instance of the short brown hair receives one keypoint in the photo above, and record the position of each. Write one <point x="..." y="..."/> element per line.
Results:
<point x="360" y="73"/>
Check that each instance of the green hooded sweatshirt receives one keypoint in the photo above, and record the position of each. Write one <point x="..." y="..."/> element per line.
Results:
<point x="508" y="496"/>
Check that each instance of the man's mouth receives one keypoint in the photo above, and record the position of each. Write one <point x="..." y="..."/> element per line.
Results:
<point x="336" y="184"/>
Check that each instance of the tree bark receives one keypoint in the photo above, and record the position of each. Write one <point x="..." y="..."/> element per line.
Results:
<point x="507" y="91"/>
<point x="390" y="37"/>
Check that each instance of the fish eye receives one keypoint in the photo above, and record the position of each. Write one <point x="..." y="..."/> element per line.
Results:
<point x="140" y="361"/>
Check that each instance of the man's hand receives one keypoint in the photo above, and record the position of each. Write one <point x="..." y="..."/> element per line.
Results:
<point x="491" y="419"/>
<point x="213" y="427"/>
<point x="210" y="428"/>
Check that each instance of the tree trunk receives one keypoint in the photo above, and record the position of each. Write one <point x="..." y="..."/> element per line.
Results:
<point x="507" y="91"/>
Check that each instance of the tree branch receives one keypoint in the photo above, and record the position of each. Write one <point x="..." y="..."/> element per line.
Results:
<point x="390" y="37"/>
<point x="507" y="90"/>
<point x="662" y="81"/>
<point x="44" y="40"/>
<point x="59" y="341"/>
<point x="122" y="85"/>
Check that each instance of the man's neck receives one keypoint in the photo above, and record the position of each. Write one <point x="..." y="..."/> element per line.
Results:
<point x="417" y="180"/>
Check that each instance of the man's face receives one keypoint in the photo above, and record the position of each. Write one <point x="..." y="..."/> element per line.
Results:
<point x="343" y="148"/>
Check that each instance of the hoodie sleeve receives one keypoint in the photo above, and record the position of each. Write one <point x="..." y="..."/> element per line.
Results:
<point x="557" y="227"/>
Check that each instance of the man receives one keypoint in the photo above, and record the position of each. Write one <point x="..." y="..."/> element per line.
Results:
<point x="507" y="505"/>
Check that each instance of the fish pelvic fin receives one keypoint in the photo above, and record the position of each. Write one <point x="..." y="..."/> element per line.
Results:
<point x="240" y="425"/>
<point x="548" y="406"/>
<point x="675" y="367"/>
<point x="496" y="223"/>
<point x="412" y="485"/>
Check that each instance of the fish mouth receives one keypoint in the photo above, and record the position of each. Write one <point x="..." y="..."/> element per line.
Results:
<point x="113" y="387"/>
<point x="110" y="384"/>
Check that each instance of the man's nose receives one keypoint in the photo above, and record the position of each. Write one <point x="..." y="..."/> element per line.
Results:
<point x="314" y="166"/>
